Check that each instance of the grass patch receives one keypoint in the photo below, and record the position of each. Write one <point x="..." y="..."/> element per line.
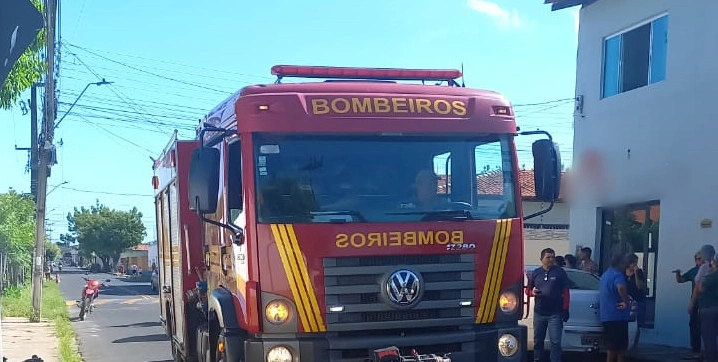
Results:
<point x="17" y="302"/>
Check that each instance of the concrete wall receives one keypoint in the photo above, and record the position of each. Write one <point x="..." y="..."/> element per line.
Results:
<point x="559" y="215"/>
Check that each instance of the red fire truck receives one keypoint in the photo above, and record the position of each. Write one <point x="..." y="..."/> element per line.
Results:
<point x="357" y="218"/>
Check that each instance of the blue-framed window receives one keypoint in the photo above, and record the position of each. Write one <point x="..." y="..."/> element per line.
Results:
<point x="635" y="58"/>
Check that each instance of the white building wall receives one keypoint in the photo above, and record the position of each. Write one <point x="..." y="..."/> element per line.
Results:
<point x="559" y="214"/>
<point x="670" y="128"/>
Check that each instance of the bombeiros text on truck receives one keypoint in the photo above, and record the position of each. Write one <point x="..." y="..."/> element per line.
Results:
<point x="361" y="217"/>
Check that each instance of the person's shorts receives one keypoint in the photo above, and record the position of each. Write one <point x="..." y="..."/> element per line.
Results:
<point x="615" y="335"/>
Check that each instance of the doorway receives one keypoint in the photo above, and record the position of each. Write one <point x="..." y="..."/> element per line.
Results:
<point x="633" y="228"/>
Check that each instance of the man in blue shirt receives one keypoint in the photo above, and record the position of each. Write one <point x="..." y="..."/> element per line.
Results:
<point x="549" y="285"/>
<point x="615" y="309"/>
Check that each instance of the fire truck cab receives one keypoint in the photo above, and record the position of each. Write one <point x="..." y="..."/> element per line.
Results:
<point x="361" y="218"/>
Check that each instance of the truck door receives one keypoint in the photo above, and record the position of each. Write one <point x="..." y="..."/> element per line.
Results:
<point x="176" y="265"/>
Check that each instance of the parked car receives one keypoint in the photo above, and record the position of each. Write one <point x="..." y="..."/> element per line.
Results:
<point x="582" y="332"/>
<point x="155" y="281"/>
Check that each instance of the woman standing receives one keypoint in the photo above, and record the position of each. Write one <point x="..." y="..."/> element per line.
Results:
<point x="636" y="287"/>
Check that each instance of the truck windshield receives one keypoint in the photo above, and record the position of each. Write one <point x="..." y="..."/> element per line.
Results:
<point x="344" y="179"/>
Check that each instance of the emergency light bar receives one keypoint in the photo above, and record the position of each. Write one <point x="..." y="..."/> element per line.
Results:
<point x="365" y="73"/>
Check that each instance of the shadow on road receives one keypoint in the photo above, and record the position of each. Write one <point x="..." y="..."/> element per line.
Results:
<point x="128" y="290"/>
<point x="140" y="324"/>
<point x="128" y="279"/>
<point x="72" y="271"/>
<point x="148" y="338"/>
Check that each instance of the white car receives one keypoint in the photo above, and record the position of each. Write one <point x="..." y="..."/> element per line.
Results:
<point x="582" y="332"/>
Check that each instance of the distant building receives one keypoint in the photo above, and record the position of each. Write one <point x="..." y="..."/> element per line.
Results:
<point x="549" y="230"/>
<point x="70" y="254"/>
<point x="136" y="256"/>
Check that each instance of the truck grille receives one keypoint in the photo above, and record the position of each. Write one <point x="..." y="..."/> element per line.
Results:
<point x="355" y="283"/>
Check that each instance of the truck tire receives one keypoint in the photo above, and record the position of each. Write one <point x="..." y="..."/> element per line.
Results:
<point x="84" y="308"/>
<point x="176" y="354"/>
<point x="168" y="321"/>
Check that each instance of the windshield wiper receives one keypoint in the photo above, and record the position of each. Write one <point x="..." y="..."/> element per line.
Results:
<point x="438" y="215"/>
<point x="356" y="215"/>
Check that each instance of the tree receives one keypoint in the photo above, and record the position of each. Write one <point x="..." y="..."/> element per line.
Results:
<point x="17" y="233"/>
<point x="17" y="226"/>
<point x="629" y="234"/>
<point x="29" y="69"/>
<point x="52" y="251"/>
<point x="105" y="232"/>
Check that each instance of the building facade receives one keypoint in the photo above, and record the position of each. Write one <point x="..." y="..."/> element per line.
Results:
<point x="644" y="128"/>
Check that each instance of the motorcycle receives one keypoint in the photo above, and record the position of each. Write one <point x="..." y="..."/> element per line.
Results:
<point x="392" y="354"/>
<point x="90" y="292"/>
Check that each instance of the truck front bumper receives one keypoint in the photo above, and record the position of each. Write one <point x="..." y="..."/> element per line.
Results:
<point x="476" y="343"/>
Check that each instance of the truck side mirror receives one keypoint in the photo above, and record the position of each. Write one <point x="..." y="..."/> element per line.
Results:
<point x="204" y="180"/>
<point x="547" y="170"/>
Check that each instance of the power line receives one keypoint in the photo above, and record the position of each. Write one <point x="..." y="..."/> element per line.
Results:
<point x="151" y="73"/>
<point x="545" y="102"/>
<point x="103" y="192"/>
<point x="119" y="137"/>
<point x="176" y="63"/>
<point x="117" y="92"/>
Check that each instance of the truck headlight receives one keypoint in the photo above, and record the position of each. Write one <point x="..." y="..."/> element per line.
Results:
<point x="279" y="354"/>
<point x="277" y="312"/>
<point x="508" y="345"/>
<point x="508" y="302"/>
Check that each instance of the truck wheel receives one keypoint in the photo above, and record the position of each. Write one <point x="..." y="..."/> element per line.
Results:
<point x="176" y="354"/>
<point x="168" y="321"/>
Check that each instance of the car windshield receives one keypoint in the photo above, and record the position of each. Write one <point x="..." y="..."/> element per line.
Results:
<point x="583" y="281"/>
<point x="319" y="179"/>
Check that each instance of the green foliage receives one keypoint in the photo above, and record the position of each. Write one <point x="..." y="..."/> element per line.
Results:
<point x="17" y="227"/>
<point x="104" y="231"/>
<point x="29" y="69"/>
<point x="52" y="251"/>
<point x="629" y="234"/>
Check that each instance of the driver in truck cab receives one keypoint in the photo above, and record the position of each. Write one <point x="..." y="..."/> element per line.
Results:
<point x="426" y="185"/>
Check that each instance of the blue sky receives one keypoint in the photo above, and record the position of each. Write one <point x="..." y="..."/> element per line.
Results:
<point x="170" y="64"/>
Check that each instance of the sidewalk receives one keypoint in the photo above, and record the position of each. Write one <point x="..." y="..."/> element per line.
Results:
<point x="657" y="353"/>
<point x="21" y="339"/>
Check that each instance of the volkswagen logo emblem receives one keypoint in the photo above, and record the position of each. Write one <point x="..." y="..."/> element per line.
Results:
<point x="403" y="288"/>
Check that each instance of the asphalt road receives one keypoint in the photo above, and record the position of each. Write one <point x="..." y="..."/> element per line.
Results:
<point x="125" y="324"/>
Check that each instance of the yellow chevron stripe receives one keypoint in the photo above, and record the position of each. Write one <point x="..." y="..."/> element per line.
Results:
<point x="489" y="273"/>
<point x="493" y="286"/>
<point x="500" y="275"/>
<point x="304" y="273"/>
<point x="280" y="240"/>
<point x="501" y="225"/>
<point x="299" y="270"/>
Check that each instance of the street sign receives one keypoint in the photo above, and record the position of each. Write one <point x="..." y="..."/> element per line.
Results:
<point x="20" y="21"/>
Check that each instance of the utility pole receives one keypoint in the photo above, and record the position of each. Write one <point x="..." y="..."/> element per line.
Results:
<point x="33" y="149"/>
<point x="33" y="142"/>
<point x="45" y="148"/>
